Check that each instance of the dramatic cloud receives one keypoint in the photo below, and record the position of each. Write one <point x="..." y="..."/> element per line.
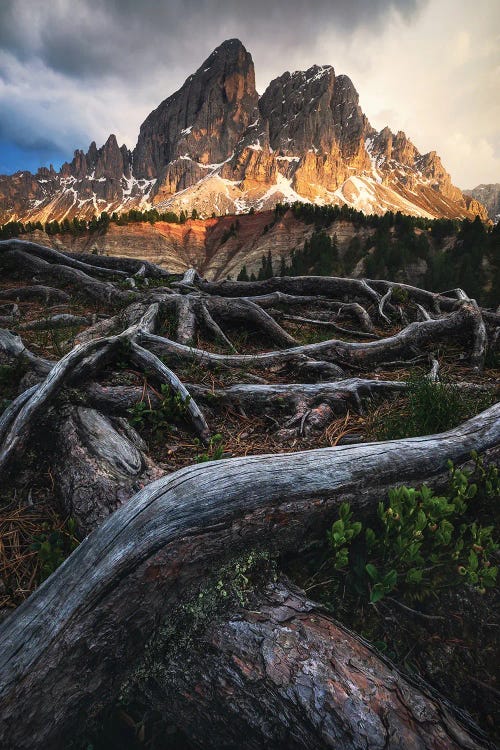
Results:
<point x="72" y="72"/>
<point x="89" y="38"/>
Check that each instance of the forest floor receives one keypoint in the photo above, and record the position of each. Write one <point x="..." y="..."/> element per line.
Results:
<point x="448" y="637"/>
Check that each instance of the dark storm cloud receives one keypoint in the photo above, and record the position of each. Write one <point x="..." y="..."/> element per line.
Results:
<point x="92" y="38"/>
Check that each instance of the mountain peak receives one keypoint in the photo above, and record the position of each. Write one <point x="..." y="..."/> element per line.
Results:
<point x="214" y="145"/>
<point x="230" y="45"/>
<point x="229" y="54"/>
<point x="205" y="119"/>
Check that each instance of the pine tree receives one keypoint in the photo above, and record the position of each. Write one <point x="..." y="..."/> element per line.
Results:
<point x="243" y="275"/>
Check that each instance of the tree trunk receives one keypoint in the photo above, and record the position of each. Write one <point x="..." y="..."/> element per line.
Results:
<point x="281" y="675"/>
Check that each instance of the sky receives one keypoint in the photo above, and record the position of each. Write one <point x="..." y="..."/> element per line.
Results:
<point x="73" y="71"/>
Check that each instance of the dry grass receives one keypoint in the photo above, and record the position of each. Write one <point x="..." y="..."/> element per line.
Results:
<point x="20" y="564"/>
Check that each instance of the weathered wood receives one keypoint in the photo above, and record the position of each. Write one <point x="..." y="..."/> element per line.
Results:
<point x="341" y="394"/>
<point x="94" y="614"/>
<point x="258" y="398"/>
<point x="214" y="328"/>
<point x="385" y="299"/>
<point x="327" y="286"/>
<point x="63" y="320"/>
<point x="97" y="464"/>
<point x="102" y="291"/>
<point x="361" y="354"/>
<point x="93" y="617"/>
<point x="130" y="265"/>
<point x="45" y="293"/>
<point x="295" y="357"/>
<point x="12" y="347"/>
<point x="20" y="427"/>
<point x="149" y="361"/>
<point x="330" y="324"/>
<point x="352" y="310"/>
<point x="10" y="413"/>
<point x="248" y="313"/>
<point x="51" y="255"/>
<point x="186" y="320"/>
<point x="370" y="290"/>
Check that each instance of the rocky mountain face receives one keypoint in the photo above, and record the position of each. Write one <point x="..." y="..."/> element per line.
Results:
<point x="489" y="196"/>
<point x="96" y="181"/>
<point x="216" y="146"/>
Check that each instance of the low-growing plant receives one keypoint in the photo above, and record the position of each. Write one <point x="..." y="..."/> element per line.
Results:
<point x="172" y="407"/>
<point x="399" y="295"/>
<point x="430" y="407"/>
<point x="214" y="452"/>
<point x="421" y="542"/>
<point x="53" y="546"/>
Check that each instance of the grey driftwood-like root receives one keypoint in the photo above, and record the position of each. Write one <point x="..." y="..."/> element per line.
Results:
<point x="13" y="348"/>
<point x="62" y="320"/>
<point x="17" y="423"/>
<point x="85" y="618"/>
<point x="45" y="293"/>
<point x="115" y="593"/>
<point x="341" y="353"/>
<point x="330" y="324"/>
<point x="150" y="362"/>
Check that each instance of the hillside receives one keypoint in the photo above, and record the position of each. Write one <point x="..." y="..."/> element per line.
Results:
<point x="298" y="239"/>
<point x="200" y="450"/>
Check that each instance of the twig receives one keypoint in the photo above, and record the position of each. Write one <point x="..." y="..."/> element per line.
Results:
<point x="414" y="611"/>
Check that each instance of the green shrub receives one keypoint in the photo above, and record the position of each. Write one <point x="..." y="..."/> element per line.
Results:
<point x="214" y="452"/>
<point x="420" y="542"/>
<point x="172" y="407"/>
<point x="399" y="295"/>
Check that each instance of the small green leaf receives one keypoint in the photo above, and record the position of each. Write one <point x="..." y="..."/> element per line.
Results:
<point x="473" y="561"/>
<point x="377" y="593"/>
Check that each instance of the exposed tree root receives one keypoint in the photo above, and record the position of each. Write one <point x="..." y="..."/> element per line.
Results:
<point x="331" y="324"/>
<point x="458" y="324"/>
<point x="86" y="620"/>
<point x="280" y="673"/>
<point x="45" y="293"/>
<point x="318" y="685"/>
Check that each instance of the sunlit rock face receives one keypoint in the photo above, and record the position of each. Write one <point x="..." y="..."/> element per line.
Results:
<point x="488" y="196"/>
<point x="214" y="145"/>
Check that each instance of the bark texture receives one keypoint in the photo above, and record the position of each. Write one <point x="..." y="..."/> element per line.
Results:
<point x="282" y="674"/>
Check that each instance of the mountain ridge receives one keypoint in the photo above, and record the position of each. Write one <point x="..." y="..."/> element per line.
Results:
<point x="489" y="195"/>
<point x="216" y="146"/>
